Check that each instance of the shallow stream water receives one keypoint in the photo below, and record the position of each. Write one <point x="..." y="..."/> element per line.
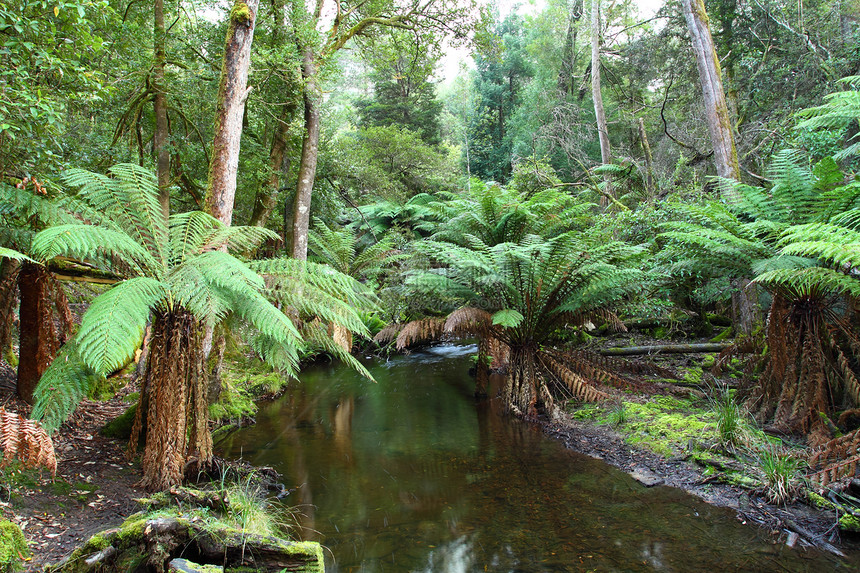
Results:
<point x="411" y="474"/>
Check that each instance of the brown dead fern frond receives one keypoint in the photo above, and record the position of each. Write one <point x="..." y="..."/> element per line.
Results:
<point x="26" y="441"/>
<point x="388" y="334"/>
<point x="835" y="459"/>
<point x="578" y="386"/>
<point x="469" y="320"/>
<point x="418" y="331"/>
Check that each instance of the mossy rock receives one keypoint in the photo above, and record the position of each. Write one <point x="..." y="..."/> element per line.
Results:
<point x="13" y="546"/>
<point x="120" y="427"/>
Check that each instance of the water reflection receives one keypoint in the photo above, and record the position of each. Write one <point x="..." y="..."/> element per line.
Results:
<point x="410" y="474"/>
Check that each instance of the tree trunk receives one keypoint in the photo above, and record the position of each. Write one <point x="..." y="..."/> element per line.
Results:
<point x="38" y="337"/>
<point x="267" y="198"/>
<point x="308" y="164"/>
<point x="173" y="398"/>
<point x="232" y="93"/>
<point x="596" y="95"/>
<point x="161" y="135"/>
<point x="520" y="393"/>
<point x="568" y="57"/>
<point x="747" y="314"/>
<point x="9" y="269"/>
<point x="716" y="111"/>
<point x="649" y="160"/>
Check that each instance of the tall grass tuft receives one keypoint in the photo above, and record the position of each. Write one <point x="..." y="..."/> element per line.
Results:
<point x="781" y="473"/>
<point x="731" y="421"/>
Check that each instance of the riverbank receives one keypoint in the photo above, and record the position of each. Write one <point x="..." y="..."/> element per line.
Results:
<point x="95" y="490"/>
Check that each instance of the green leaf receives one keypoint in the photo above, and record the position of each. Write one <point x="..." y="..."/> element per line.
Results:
<point x="508" y="318"/>
<point x="112" y="328"/>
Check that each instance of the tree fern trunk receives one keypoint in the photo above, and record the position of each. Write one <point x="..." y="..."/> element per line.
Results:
<point x="8" y="297"/>
<point x="175" y="402"/>
<point x="38" y="338"/>
<point x="521" y="387"/>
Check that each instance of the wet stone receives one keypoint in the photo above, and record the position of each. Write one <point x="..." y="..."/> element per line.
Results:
<point x="646" y="477"/>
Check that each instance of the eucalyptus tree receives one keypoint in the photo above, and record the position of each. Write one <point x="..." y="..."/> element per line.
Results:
<point x="319" y="39"/>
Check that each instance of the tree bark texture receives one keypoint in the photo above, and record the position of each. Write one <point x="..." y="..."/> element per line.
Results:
<point x="38" y="337"/>
<point x="232" y="93"/>
<point x="649" y="160"/>
<point x="747" y="314"/>
<point x="162" y="129"/>
<point x="9" y="269"/>
<point x="173" y="398"/>
<point x="716" y="110"/>
<point x="308" y="164"/>
<point x="596" y="95"/>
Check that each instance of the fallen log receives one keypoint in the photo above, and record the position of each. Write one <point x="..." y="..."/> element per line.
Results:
<point x="665" y="349"/>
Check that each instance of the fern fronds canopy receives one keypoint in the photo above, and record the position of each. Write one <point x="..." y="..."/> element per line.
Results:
<point x="521" y="294"/>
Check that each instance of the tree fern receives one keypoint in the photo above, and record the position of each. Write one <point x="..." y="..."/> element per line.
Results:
<point x="180" y="273"/>
<point x="530" y="289"/>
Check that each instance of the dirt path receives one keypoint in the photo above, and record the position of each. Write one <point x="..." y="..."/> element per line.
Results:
<point x="94" y="488"/>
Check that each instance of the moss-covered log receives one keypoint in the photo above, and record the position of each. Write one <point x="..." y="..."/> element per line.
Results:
<point x="149" y="544"/>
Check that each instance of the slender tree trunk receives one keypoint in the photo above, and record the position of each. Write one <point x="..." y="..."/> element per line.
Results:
<point x="308" y="164"/>
<point x="232" y="93"/>
<point x="267" y="198"/>
<point x="649" y="160"/>
<point x="597" y="96"/>
<point x="716" y="110"/>
<point x="161" y="135"/>
<point x="747" y="314"/>
<point x="568" y="57"/>
<point x="38" y="337"/>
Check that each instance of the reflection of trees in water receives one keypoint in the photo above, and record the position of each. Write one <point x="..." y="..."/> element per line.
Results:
<point x="417" y="477"/>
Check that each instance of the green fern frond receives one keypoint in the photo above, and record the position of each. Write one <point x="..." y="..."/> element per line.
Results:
<point x="838" y="254"/>
<point x="88" y="242"/>
<point x="113" y="326"/>
<point x="62" y="387"/>
<point x="811" y="281"/>
<point x="317" y="337"/>
<point x="14" y="255"/>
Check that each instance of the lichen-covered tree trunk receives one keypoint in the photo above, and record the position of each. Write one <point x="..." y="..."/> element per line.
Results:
<point x="232" y="93"/>
<point x="308" y="164"/>
<point x="173" y="398"/>
<point x="159" y="139"/>
<point x="710" y="78"/>
<point x="596" y="95"/>
<point x="38" y="337"/>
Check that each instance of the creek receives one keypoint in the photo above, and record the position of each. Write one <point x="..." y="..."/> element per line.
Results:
<point x="412" y="474"/>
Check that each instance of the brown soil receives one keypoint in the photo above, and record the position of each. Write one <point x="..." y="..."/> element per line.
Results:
<point x="94" y="488"/>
